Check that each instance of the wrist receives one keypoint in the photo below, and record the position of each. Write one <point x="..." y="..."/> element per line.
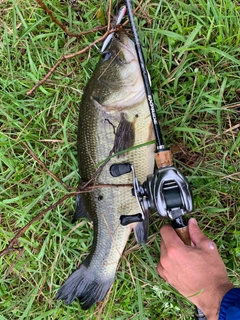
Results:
<point x="211" y="304"/>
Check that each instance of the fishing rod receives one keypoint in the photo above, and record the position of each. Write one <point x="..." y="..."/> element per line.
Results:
<point x="156" y="126"/>
<point x="167" y="190"/>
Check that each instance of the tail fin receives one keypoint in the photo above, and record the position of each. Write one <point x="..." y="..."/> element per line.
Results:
<point x="83" y="285"/>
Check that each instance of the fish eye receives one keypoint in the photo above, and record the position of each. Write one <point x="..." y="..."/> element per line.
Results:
<point x="106" y="55"/>
<point x="121" y="58"/>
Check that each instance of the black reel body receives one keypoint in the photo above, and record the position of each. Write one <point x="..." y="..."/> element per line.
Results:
<point x="166" y="191"/>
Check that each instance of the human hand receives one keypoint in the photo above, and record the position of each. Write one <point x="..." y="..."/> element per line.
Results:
<point x="196" y="271"/>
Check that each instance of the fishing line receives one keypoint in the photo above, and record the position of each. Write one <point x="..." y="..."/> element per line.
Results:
<point x="147" y="85"/>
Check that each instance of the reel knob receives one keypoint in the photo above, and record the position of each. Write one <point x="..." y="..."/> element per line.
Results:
<point x="125" y="220"/>
<point x="118" y="169"/>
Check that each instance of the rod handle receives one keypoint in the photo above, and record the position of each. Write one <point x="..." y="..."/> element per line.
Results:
<point x="181" y="228"/>
<point x="163" y="158"/>
<point x="183" y="234"/>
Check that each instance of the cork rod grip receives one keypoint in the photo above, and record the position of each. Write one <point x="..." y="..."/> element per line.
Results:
<point x="181" y="228"/>
<point x="183" y="234"/>
<point x="163" y="158"/>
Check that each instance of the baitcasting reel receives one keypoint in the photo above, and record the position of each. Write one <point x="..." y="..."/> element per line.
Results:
<point x="166" y="191"/>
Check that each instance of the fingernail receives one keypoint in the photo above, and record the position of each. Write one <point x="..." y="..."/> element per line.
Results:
<point x="194" y="221"/>
<point x="211" y="245"/>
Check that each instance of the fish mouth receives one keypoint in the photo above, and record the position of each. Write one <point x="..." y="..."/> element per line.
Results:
<point x="126" y="43"/>
<point x="125" y="40"/>
<point x="122" y="43"/>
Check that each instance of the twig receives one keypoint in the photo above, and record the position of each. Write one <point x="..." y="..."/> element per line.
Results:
<point x="45" y="168"/>
<point x="11" y="244"/>
<point x="46" y="76"/>
<point x="65" y="57"/>
<point x="97" y="186"/>
<point x="63" y="27"/>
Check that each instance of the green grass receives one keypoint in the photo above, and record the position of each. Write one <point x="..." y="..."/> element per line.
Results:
<point x="193" y="56"/>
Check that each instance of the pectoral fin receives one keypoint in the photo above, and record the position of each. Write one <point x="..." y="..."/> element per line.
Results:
<point x="125" y="135"/>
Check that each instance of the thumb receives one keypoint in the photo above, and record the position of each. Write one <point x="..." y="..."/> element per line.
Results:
<point x="196" y="234"/>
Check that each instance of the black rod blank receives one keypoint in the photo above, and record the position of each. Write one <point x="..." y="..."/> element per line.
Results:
<point x="156" y="126"/>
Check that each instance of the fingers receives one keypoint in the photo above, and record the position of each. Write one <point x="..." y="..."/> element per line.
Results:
<point x="196" y="234"/>
<point x="160" y="268"/>
<point x="198" y="237"/>
<point x="161" y="271"/>
<point x="170" y="237"/>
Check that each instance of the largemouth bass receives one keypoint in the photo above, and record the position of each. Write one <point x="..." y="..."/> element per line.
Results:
<point x="114" y="116"/>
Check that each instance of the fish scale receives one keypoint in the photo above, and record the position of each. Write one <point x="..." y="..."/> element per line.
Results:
<point x="113" y="116"/>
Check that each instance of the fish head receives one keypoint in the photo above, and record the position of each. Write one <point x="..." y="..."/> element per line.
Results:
<point x="118" y="80"/>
